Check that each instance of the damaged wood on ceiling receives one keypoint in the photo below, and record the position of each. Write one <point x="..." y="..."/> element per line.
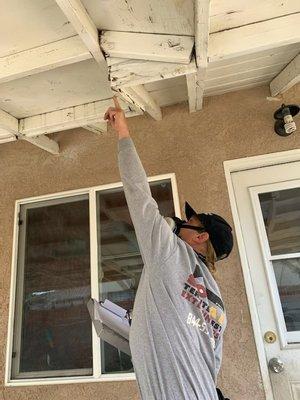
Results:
<point x="76" y="54"/>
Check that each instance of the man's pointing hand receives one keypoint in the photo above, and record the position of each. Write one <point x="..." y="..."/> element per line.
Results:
<point x="116" y="117"/>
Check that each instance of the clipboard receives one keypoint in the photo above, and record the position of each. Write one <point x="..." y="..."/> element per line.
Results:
<point x="111" y="322"/>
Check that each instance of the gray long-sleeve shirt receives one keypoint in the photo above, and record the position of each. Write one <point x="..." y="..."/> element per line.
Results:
<point x="178" y="315"/>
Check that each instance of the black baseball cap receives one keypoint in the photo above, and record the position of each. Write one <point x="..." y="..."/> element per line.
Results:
<point x="220" y="232"/>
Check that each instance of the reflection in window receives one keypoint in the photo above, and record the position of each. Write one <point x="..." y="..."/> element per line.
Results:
<point x="121" y="264"/>
<point x="52" y="325"/>
<point x="287" y="273"/>
<point x="281" y="213"/>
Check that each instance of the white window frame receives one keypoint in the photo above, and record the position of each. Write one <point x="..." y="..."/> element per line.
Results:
<point x="94" y="257"/>
<point x="237" y="165"/>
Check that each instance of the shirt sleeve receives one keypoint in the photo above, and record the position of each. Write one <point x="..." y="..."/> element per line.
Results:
<point x="218" y="355"/>
<point x="155" y="238"/>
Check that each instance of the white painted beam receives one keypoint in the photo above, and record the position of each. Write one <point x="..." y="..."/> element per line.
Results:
<point x="43" y="142"/>
<point x="97" y="127"/>
<point x="287" y="78"/>
<point x="255" y="37"/>
<point x="8" y="122"/>
<point x="43" y="58"/>
<point x="10" y="125"/>
<point x="139" y="97"/>
<point x="128" y="73"/>
<point x="191" y="81"/>
<point x="69" y="118"/>
<point x="195" y="82"/>
<point x="146" y="46"/>
<point x="6" y="136"/>
<point x="83" y="25"/>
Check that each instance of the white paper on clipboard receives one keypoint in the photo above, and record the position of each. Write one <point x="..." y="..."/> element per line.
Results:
<point x="110" y="323"/>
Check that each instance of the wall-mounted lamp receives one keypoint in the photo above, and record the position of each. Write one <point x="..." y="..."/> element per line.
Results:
<point x="284" y="124"/>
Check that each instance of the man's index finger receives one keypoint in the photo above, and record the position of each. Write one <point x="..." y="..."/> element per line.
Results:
<point x="116" y="101"/>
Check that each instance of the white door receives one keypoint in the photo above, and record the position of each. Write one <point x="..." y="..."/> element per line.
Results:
<point x="267" y="215"/>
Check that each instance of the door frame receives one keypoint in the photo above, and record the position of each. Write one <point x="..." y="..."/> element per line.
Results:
<point x="238" y="165"/>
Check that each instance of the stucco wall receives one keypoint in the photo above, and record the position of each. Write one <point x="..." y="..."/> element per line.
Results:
<point x="193" y="146"/>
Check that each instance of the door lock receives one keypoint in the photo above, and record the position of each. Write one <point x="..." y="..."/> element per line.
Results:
<point x="276" y="365"/>
<point x="270" y="337"/>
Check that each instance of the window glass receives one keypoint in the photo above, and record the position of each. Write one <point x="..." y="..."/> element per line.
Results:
<point x="52" y="326"/>
<point x="120" y="262"/>
<point x="281" y="212"/>
<point x="287" y="273"/>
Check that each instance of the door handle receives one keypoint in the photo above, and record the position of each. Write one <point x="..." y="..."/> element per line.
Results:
<point x="276" y="365"/>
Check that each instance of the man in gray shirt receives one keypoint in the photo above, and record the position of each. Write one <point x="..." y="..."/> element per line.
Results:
<point x="179" y="317"/>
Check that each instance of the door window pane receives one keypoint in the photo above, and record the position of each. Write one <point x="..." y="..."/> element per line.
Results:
<point x="53" y="334"/>
<point x="287" y="273"/>
<point x="120" y="262"/>
<point x="281" y="213"/>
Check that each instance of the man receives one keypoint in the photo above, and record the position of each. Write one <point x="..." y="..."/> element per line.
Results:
<point x="179" y="317"/>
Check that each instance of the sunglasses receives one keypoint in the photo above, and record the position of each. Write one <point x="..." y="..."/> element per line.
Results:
<point x="195" y="228"/>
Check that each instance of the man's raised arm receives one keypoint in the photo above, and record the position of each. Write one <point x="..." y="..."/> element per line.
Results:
<point x="155" y="238"/>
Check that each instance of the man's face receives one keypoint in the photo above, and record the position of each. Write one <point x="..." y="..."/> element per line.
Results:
<point x="191" y="236"/>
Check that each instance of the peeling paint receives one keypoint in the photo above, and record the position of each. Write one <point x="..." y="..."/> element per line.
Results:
<point x="129" y="7"/>
<point x="171" y="43"/>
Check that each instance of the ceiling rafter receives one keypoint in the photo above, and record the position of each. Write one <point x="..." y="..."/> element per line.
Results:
<point x="69" y="118"/>
<point x="43" y="142"/>
<point x="195" y="82"/>
<point x="128" y="72"/>
<point x="147" y="46"/>
<point x="84" y="26"/>
<point x="140" y="98"/>
<point x="253" y="38"/>
<point x="10" y="125"/>
<point x="43" y="58"/>
<point x="97" y="127"/>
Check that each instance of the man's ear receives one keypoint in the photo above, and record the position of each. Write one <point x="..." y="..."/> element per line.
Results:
<point x="202" y="237"/>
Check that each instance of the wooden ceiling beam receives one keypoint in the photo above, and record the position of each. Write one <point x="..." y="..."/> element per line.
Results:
<point x="147" y="46"/>
<point x="69" y="118"/>
<point x="43" y="58"/>
<point x="10" y="124"/>
<point x="97" y="127"/>
<point x="43" y="142"/>
<point x="84" y="26"/>
<point x="195" y="82"/>
<point x="140" y="98"/>
<point x="254" y="38"/>
<point x="127" y="73"/>
<point x="287" y="78"/>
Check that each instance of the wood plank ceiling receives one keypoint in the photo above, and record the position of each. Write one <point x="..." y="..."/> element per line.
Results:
<point x="62" y="70"/>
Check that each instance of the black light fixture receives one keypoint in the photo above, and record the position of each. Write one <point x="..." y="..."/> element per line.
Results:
<point x="284" y="124"/>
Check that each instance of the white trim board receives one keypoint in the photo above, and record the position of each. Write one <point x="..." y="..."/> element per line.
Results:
<point x="240" y="165"/>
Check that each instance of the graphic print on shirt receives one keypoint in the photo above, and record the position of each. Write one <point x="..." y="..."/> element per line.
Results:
<point x="210" y="305"/>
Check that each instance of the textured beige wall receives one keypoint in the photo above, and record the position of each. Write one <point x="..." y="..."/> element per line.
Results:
<point x="193" y="146"/>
